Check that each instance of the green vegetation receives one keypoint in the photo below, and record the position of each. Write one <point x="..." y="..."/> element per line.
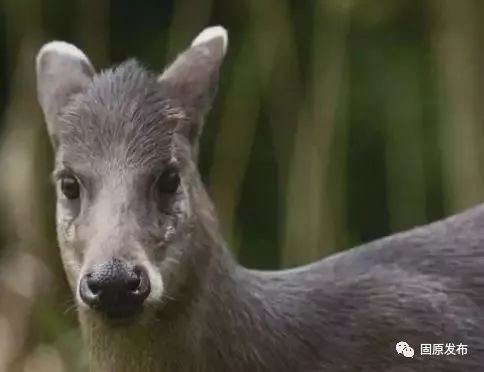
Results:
<point x="337" y="122"/>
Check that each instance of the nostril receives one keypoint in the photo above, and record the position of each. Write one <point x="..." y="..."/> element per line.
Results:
<point x="89" y="291"/>
<point x="134" y="283"/>
<point x="95" y="288"/>
<point x="93" y="284"/>
<point x="143" y="286"/>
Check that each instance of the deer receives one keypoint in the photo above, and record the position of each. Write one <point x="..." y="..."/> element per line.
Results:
<point x="156" y="287"/>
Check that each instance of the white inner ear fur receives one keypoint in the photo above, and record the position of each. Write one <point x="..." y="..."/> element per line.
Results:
<point x="63" y="48"/>
<point x="211" y="33"/>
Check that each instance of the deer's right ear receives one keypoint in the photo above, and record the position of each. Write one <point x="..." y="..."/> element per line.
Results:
<point x="62" y="70"/>
<point x="192" y="78"/>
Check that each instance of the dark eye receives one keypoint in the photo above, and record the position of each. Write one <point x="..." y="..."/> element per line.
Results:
<point x="69" y="187"/>
<point x="168" y="181"/>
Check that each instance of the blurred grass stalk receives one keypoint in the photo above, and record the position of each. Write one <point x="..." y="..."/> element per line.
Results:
<point x="456" y="37"/>
<point x="22" y="268"/>
<point x="241" y="107"/>
<point x="310" y="219"/>
<point x="404" y="141"/>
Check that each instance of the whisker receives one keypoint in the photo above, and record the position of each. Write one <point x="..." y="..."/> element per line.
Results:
<point x="71" y="305"/>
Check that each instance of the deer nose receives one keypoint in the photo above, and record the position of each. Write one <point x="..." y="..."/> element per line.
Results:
<point x="115" y="288"/>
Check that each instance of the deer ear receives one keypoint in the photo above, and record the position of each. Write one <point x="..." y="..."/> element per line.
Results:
<point x="62" y="70"/>
<point x="191" y="80"/>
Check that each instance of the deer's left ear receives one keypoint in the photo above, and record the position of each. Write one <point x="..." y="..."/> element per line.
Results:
<point x="192" y="78"/>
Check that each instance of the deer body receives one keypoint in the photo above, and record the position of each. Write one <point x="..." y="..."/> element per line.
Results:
<point x="157" y="290"/>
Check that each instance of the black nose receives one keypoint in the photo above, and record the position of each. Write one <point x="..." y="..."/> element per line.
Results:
<point x="115" y="288"/>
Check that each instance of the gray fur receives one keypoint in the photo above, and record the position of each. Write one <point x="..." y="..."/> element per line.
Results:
<point x="117" y="131"/>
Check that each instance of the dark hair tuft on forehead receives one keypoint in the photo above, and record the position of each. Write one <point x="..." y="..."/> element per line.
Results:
<point x="128" y="78"/>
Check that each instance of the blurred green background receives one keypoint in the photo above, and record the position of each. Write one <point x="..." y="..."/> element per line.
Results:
<point x="337" y="122"/>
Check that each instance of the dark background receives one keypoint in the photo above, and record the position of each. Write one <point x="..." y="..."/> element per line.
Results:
<point x="337" y="122"/>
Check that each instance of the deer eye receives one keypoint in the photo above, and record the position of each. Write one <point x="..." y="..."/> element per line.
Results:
<point x="168" y="181"/>
<point x="70" y="187"/>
